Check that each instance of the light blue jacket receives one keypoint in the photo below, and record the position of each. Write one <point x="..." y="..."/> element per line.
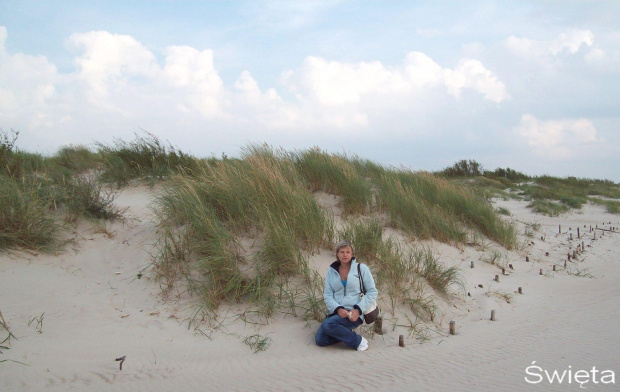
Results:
<point x="337" y="296"/>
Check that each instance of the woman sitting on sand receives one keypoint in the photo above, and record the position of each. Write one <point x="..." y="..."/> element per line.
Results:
<point x="342" y="297"/>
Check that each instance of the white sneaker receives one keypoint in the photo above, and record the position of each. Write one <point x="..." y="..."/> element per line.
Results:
<point x="363" y="345"/>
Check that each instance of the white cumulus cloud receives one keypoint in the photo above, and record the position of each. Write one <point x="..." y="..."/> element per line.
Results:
<point x="27" y="84"/>
<point x="119" y="82"/>
<point x="472" y="74"/>
<point x="556" y="139"/>
<point x="336" y="83"/>
<point x="193" y="74"/>
<point x="571" y="42"/>
<point x="109" y="59"/>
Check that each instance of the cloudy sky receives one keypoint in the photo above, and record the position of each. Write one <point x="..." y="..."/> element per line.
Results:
<point x="530" y="85"/>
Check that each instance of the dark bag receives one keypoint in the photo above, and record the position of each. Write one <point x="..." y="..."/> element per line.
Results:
<point x="373" y="311"/>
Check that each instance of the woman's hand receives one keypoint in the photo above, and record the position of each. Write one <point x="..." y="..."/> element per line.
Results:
<point x="354" y="315"/>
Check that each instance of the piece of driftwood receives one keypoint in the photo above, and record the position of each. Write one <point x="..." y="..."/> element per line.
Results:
<point x="121" y="359"/>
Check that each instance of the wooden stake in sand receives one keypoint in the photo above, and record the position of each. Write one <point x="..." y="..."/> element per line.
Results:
<point x="560" y="229"/>
<point x="492" y="315"/>
<point x="401" y="341"/>
<point x="554" y="267"/>
<point x="452" y="327"/>
<point x="472" y="264"/>
<point x="578" y="235"/>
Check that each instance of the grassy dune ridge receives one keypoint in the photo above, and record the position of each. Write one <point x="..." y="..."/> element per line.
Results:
<point x="245" y="229"/>
<point x="267" y="196"/>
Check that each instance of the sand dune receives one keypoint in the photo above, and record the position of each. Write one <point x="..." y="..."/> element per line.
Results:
<point x="74" y="313"/>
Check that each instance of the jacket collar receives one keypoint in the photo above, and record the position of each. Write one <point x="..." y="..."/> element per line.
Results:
<point x="336" y="264"/>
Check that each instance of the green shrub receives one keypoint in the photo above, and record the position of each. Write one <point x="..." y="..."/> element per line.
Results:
<point x="463" y="168"/>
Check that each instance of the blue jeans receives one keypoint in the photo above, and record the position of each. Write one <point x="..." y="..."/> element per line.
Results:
<point x="336" y="329"/>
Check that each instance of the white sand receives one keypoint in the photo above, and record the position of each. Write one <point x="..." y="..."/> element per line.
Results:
<point x="94" y="309"/>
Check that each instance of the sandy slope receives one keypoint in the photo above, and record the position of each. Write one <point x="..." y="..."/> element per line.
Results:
<point x="94" y="309"/>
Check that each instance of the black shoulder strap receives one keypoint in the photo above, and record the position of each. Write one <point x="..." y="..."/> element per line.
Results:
<point x="359" y="275"/>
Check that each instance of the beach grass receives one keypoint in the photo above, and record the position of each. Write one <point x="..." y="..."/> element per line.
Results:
<point x="335" y="174"/>
<point x="366" y="235"/>
<point x="25" y="219"/>
<point x="37" y="191"/>
<point x="269" y="196"/>
<point x="544" y="192"/>
<point x="146" y="157"/>
<point x="612" y="206"/>
<point x="259" y="196"/>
